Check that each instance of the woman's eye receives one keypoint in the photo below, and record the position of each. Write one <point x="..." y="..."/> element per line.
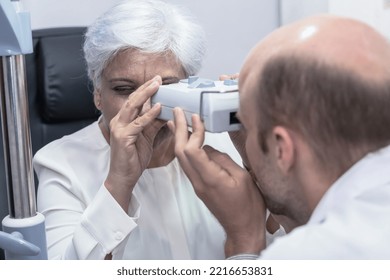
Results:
<point x="168" y="82"/>
<point x="124" y="90"/>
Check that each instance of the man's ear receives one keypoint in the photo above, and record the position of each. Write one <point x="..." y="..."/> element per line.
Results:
<point x="284" y="148"/>
<point x="97" y="99"/>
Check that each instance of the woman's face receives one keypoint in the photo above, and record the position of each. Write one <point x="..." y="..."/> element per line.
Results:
<point x="125" y="73"/>
<point x="129" y="70"/>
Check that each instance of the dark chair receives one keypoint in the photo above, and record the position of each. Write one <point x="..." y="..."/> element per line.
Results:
<point x="59" y="93"/>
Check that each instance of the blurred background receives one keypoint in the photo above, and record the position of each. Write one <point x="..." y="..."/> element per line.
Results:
<point x="232" y="26"/>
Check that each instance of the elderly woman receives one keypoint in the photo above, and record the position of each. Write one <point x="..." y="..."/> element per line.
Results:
<point x="115" y="189"/>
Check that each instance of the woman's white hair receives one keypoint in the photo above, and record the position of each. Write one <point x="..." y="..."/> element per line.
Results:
<point x="150" y="26"/>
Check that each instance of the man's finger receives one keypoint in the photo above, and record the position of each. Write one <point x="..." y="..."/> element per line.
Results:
<point x="229" y="77"/>
<point x="198" y="133"/>
<point x="209" y="171"/>
<point x="181" y="131"/>
<point x="223" y="159"/>
<point x="181" y="140"/>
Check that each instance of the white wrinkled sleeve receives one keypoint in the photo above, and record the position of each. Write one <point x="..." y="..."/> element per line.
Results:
<point x="269" y="238"/>
<point x="77" y="228"/>
<point x="104" y="228"/>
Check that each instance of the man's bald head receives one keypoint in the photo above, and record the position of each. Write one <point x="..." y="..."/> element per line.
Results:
<point x="328" y="79"/>
<point x="342" y="42"/>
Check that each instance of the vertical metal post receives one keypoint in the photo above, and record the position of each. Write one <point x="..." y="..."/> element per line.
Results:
<point x="17" y="139"/>
<point x="24" y="234"/>
<point x="25" y="226"/>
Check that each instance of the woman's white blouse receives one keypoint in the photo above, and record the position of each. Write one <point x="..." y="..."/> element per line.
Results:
<point x="165" y="219"/>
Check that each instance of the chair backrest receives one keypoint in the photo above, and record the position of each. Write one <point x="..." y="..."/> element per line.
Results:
<point x="59" y="93"/>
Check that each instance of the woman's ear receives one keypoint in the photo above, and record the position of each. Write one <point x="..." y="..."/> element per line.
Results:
<point x="284" y="148"/>
<point x="97" y="99"/>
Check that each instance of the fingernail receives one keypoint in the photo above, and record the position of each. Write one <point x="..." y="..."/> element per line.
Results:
<point x="175" y="110"/>
<point x="154" y="84"/>
<point x="157" y="105"/>
<point x="171" y="126"/>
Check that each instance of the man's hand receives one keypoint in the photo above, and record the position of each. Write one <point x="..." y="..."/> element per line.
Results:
<point x="225" y="188"/>
<point x="229" y="76"/>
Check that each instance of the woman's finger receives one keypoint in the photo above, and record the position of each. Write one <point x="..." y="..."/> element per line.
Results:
<point x="139" y="124"/>
<point x="133" y="106"/>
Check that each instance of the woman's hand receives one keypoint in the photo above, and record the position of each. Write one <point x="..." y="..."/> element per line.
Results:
<point x="132" y="132"/>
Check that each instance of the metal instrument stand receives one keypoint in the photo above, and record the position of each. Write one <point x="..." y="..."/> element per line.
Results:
<point x="23" y="235"/>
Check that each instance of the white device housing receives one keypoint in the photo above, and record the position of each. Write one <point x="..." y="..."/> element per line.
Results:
<point x="216" y="102"/>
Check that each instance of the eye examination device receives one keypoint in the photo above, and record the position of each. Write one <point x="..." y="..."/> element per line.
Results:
<point x="216" y="102"/>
